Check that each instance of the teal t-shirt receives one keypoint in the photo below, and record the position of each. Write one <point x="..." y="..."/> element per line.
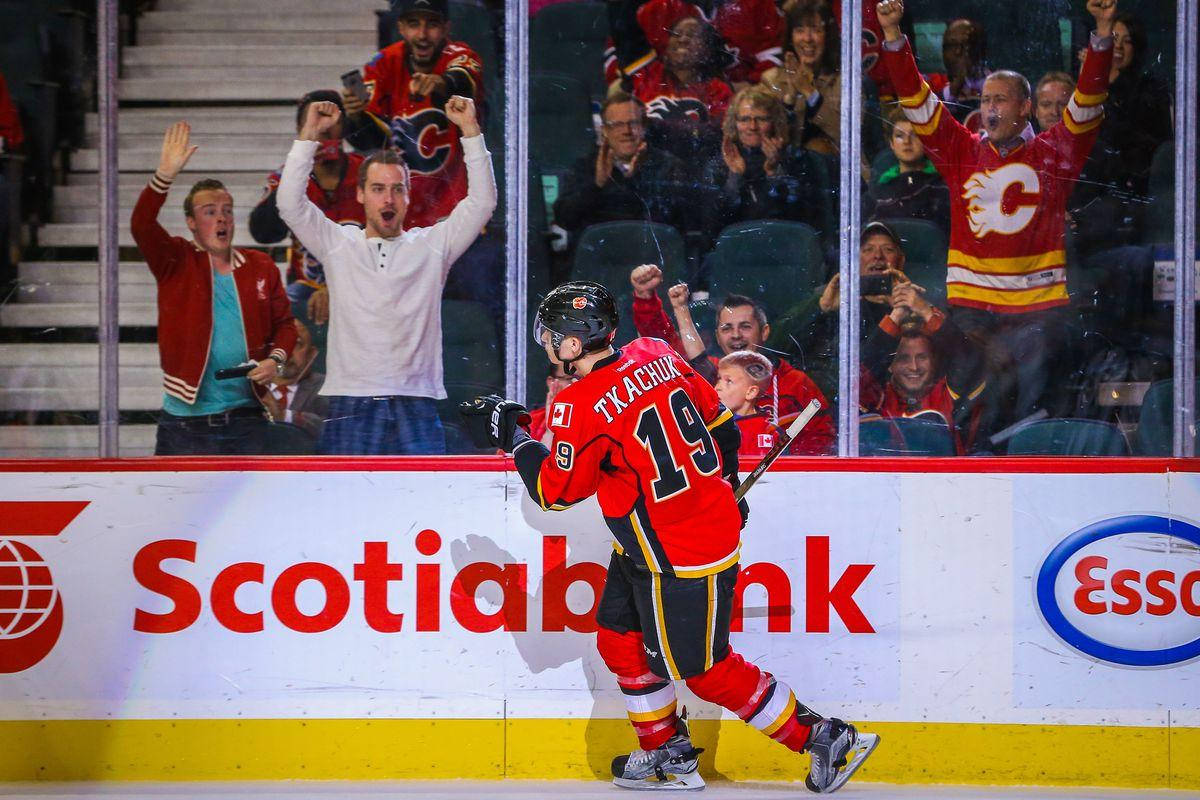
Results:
<point x="226" y="349"/>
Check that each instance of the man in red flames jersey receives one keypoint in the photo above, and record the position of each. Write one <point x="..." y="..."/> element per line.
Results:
<point x="648" y="436"/>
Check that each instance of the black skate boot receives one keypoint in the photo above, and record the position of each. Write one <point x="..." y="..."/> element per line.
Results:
<point x="837" y="750"/>
<point x="671" y="766"/>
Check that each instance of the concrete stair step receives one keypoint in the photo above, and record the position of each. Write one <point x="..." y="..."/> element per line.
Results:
<point x="334" y="56"/>
<point x="263" y="139"/>
<point x="365" y="39"/>
<point x="203" y="119"/>
<point x="74" y="378"/>
<point x="130" y="398"/>
<point x="86" y="273"/>
<point x="76" y="197"/>
<point x="71" y="441"/>
<point x="48" y="356"/>
<point x="314" y="75"/>
<point x="289" y="86"/>
<point x="86" y="234"/>
<point x="137" y="179"/>
<point x="206" y="159"/>
<point x="80" y="293"/>
<point x="171" y="215"/>
<point x="251" y="18"/>
<point x="74" y="315"/>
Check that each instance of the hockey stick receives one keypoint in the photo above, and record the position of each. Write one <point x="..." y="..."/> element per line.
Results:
<point x="780" y="445"/>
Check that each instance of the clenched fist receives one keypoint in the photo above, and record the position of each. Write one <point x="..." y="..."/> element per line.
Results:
<point x="461" y="111"/>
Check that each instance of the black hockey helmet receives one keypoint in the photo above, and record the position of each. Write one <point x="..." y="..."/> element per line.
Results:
<point x="582" y="309"/>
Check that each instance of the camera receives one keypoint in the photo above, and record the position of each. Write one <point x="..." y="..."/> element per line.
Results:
<point x="872" y="285"/>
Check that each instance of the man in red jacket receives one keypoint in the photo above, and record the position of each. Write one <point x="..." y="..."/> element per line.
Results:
<point x="218" y="307"/>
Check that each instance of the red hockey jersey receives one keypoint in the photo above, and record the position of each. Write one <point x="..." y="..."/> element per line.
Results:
<point x="1006" y="211"/>
<point x="635" y="432"/>
<point x="752" y="29"/>
<point x="341" y="205"/>
<point x="420" y="129"/>
<point x="10" y="121"/>
<point x="672" y="104"/>
<point x="758" y="436"/>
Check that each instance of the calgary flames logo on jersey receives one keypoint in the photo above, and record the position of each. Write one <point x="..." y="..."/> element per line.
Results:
<point x="425" y="138"/>
<point x="666" y="107"/>
<point x="984" y="193"/>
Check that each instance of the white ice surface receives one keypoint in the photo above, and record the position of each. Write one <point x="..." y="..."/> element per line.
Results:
<point x="537" y="790"/>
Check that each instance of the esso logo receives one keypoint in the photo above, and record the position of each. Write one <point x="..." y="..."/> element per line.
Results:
<point x="1126" y="591"/>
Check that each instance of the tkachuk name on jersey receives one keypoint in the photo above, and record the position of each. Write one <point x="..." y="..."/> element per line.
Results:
<point x="635" y="384"/>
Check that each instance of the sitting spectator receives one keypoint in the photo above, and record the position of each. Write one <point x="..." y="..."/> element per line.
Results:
<point x="741" y="324"/>
<point x="218" y="307"/>
<point x="925" y="365"/>
<point x="294" y="395"/>
<point x="1009" y="188"/>
<point x="626" y="178"/>
<point x="912" y="189"/>
<point x="742" y="377"/>
<point x="964" y="52"/>
<point x="333" y="187"/>
<point x="809" y="83"/>
<point x="760" y="175"/>
<point x="556" y="381"/>
<point x="752" y="29"/>
<point x="1051" y="96"/>
<point x="408" y="84"/>
<point x="683" y="93"/>
<point x="11" y="138"/>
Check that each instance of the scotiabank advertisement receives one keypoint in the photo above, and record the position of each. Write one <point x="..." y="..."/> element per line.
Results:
<point x="892" y="597"/>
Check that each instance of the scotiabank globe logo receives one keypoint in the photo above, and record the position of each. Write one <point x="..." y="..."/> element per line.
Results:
<point x="1126" y="591"/>
<point x="31" y="607"/>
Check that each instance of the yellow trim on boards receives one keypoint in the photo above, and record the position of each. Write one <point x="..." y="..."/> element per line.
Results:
<point x="352" y="749"/>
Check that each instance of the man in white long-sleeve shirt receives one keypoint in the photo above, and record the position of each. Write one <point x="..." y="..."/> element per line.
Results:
<point x="384" y="365"/>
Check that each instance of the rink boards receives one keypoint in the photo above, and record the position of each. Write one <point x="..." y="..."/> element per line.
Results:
<point x="1025" y="622"/>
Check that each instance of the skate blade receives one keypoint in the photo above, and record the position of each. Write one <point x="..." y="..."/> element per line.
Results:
<point x="863" y="747"/>
<point x="681" y="781"/>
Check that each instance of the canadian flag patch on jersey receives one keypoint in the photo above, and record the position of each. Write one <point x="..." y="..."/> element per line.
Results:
<point x="766" y="440"/>
<point x="560" y="415"/>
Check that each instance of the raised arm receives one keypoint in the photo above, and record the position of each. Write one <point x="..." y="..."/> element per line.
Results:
<point x="453" y="235"/>
<point x="148" y="233"/>
<point x="316" y="232"/>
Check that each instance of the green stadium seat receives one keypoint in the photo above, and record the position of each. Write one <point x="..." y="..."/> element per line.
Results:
<point x="571" y="37"/>
<point x="560" y="120"/>
<point x="777" y="263"/>
<point x="924" y="436"/>
<point x="880" y="437"/>
<point x="923" y="240"/>
<point x="1155" y="434"/>
<point x="608" y="252"/>
<point x="1068" y="437"/>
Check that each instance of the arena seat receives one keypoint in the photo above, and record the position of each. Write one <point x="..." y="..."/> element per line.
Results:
<point x="923" y="241"/>
<point x="560" y="120"/>
<point x="1155" y="433"/>
<point x="570" y="37"/>
<point x="608" y="252"/>
<point x="1068" y="437"/>
<point x="880" y="437"/>
<point x="777" y="263"/>
<point x="925" y="436"/>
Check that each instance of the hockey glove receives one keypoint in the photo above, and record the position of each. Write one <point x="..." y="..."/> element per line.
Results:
<point x="492" y="421"/>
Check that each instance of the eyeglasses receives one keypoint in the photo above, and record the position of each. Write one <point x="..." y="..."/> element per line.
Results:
<point x="759" y="120"/>
<point x="617" y="124"/>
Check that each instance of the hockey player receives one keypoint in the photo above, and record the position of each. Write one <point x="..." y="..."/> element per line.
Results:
<point x="647" y="435"/>
<point x="408" y="84"/>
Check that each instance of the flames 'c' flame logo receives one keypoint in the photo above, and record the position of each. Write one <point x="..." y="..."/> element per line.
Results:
<point x="984" y="192"/>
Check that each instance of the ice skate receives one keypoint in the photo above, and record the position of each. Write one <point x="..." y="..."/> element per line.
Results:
<point x="671" y="766"/>
<point x="837" y="750"/>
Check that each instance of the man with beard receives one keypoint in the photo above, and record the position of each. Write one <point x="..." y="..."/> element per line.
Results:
<point x="408" y="84"/>
<point x="964" y="47"/>
<point x="294" y="396"/>
<point x="626" y="178"/>
<point x="385" y="282"/>
<point x="741" y="324"/>
<point x="1006" y="272"/>
<point x="333" y="186"/>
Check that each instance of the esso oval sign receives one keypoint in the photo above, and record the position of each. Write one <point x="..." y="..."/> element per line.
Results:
<point x="1126" y="591"/>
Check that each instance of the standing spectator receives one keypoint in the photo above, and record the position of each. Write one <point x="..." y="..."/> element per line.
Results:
<point x="743" y="377"/>
<point x="1009" y="188"/>
<point x="294" y="395"/>
<point x="741" y="324"/>
<point x="760" y="175"/>
<point x="683" y="92"/>
<point x="11" y="138"/>
<point x="1051" y="96"/>
<point x="385" y="283"/>
<point x="752" y="30"/>
<point x="626" y="178"/>
<point x="333" y="186"/>
<point x="218" y="307"/>
<point x="408" y="84"/>
<point x="964" y="52"/>
<point x="912" y="189"/>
